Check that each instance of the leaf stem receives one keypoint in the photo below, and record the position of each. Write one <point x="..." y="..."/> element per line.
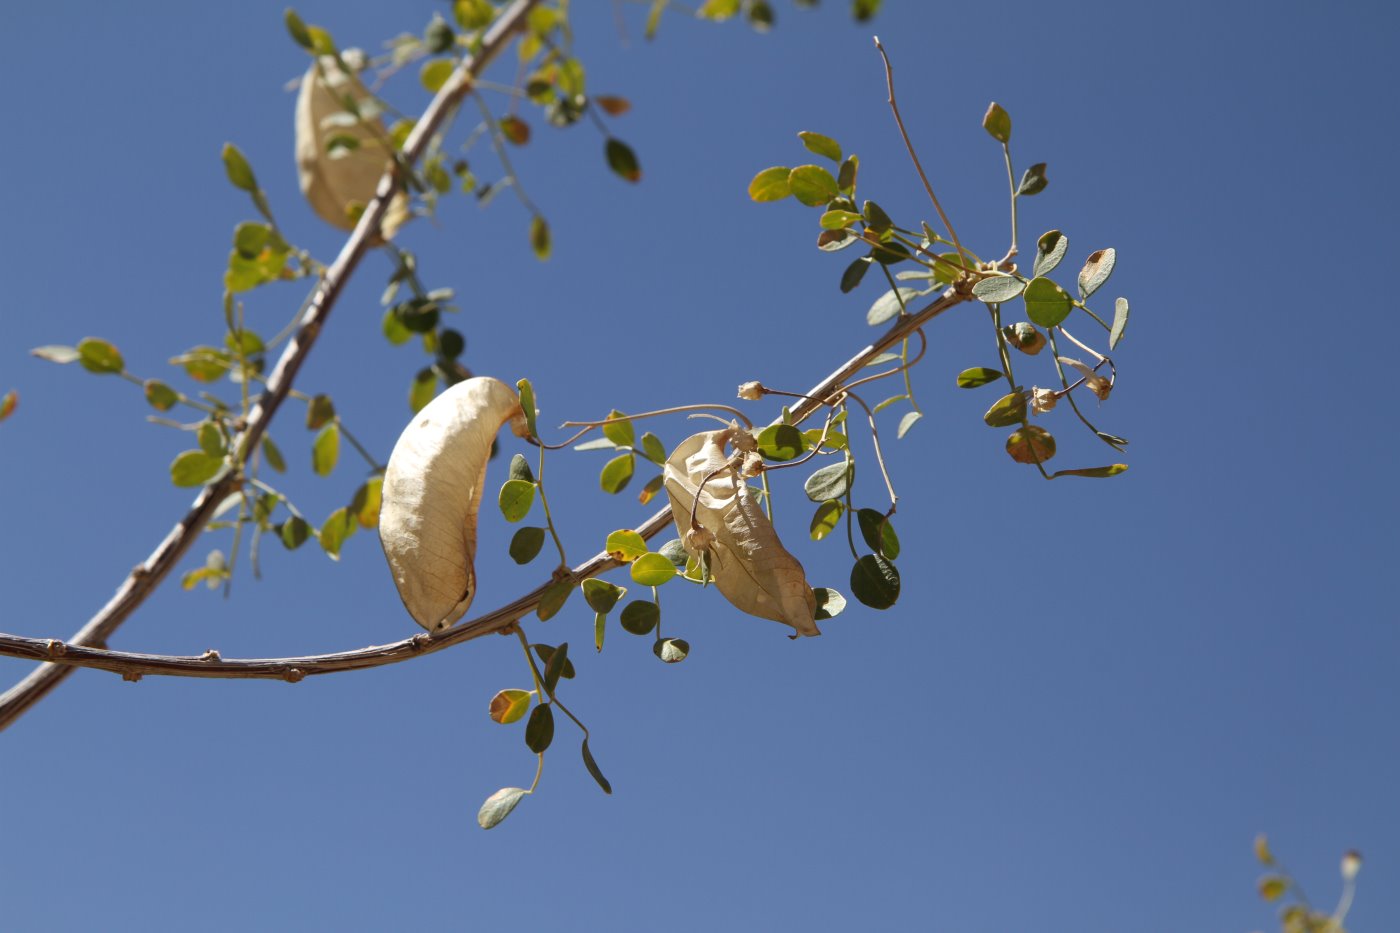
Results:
<point x="548" y="518"/>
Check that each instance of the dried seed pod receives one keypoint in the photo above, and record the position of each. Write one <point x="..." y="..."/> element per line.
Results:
<point x="340" y="157"/>
<point x="748" y="563"/>
<point x="432" y="493"/>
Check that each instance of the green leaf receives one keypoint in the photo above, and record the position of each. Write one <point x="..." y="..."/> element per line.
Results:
<point x="854" y="273"/>
<point x="671" y="650"/>
<point x="434" y="74"/>
<point x="450" y="343"/>
<point x="878" y="532"/>
<point x="554" y="666"/>
<point x="875" y="582"/>
<point x="830" y="482"/>
<point x="509" y="706"/>
<point x="250" y="238"/>
<point x="525" y="544"/>
<point x="8" y="402"/>
<point x="948" y="271"/>
<point x="875" y="217"/>
<point x="1031" y="444"/>
<point x="520" y="468"/>
<point x="781" y="442"/>
<point x="821" y="145"/>
<point x="625" y="545"/>
<point x="619" y="432"/>
<point x="320" y="411"/>
<point x="846" y="177"/>
<point x="887" y="254"/>
<point x="837" y="220"/>
<point x="653" y="449"/>
<point x="515" y="130"/>
<point x="1120" y="322"/>
<point x="325" y="450"/>
<point x="593" y="770"/>
<point x="1096" y="271"/>
<point x="1008" y="410"/>
<point x="297" y="28"/>
<point x="515" y="499"/>
<point x="554" y="598"/>
<point x="195" y="468"/>
<point x="1093" y="472"/>
<point x="159" y="395"/>
<point x="835" y="440"/>
<point x="1273" y="887"/>
<point x="99" y="356"/>
<point x="907" y="422"/>
<point x="812" y="185"/>
<point x="1047" y="304"/>
<point x="977" y="376"/>
<point x="1049" y="250"/>
<point x="617" y="473"/>
<point x="527" y="403"/>
<point x="829" y="603"/>
<point x="825" y="519"/>
<point x="539" y="730"/>
<point x="717" y="10"/>
<point x="210" y="439"/>
<point x="675" y="552"/>
<point x="771" y="184"/>
<point x="540" y="240"/>
<point x="622" y="160"/>
<point x="1033" y="181"/>
<point x="547" y="653"/>
<point x="998" y="288"/>
<point x="394" y="330"/>
<point x="997" y="123"/>
<point x="639" y="617"/>
<point x="598" y="443"/>
<point x="294" y="532"/>
<point x="240" y="173"/>
<point x="889" y="305"/>
<point x="338" y="526"/>
<point x="864" y="10"/>
<point x="600" y="629"/>
<point x="56" y="354"/>
<point x="652" y="570"/>
<point x="650" y="490"/>
<point x="423" y="389"/>
<point x="601" y="595"/>
<point x="499" y="806"/>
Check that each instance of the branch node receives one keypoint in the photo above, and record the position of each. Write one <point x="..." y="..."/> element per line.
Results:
<point x="56" y="648"/>
<point x="210" y="655"/>
<point x="140" y="572"/>
<point x="293" y="675"/>
<point x="420" y="641"/>
<point x="130" y="677"/>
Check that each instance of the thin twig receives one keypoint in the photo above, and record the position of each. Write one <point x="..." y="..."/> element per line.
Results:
<point x="894" y="107"/>
<point x="66" y="655"/>
<point x="143" y="580"/>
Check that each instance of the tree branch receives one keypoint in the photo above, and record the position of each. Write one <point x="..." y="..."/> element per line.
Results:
<point x="144" y="579"/>
<point x="66" y="655"/>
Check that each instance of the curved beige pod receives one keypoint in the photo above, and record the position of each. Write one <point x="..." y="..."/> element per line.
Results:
<point x="748" y="563"/>
<point x="432" y="494"/>
<point x="332" y="184"/>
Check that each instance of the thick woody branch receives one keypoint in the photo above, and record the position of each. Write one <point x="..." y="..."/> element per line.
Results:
<point x="132" y="666"/>
<point x="144" y="579"/>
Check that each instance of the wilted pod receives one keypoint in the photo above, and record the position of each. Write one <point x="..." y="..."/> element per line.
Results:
<point x="432" y="493"/>
<point x="748" y="563"/>
<point x="341" y="155"/>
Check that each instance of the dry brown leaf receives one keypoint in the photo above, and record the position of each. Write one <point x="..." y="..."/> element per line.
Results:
<point x="334" y="182"/>
<point x="432" y="493"/>
<point x="747" y="562"/>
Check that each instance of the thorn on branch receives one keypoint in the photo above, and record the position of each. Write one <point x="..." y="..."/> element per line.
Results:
<point x="210" y="655"/>
<point x="130" y="677"/>
<point x="56" y="648"/>
<point x="293" y="675"/>
<point x="420" y="641"/>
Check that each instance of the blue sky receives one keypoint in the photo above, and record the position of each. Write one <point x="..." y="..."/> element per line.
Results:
<point x="1092" y="694"/>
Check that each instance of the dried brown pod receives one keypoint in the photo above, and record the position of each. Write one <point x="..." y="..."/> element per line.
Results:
<point x="432" y="494"/>
<point x="747" y="562"/>
<point x="341" y="156"/>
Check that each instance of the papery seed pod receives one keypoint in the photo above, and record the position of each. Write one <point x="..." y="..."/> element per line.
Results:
<point x="748" y="563"/>
<point x="432" y="493"/>
<point x="340" y="158"/>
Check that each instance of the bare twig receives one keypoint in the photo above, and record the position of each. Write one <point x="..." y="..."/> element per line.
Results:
<point x="894" y="107"/>
<point x="66" y="655"/>
<point x="144" y="579"/>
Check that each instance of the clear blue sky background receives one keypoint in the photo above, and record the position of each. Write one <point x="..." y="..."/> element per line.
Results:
<point x="1093" y="693"/>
